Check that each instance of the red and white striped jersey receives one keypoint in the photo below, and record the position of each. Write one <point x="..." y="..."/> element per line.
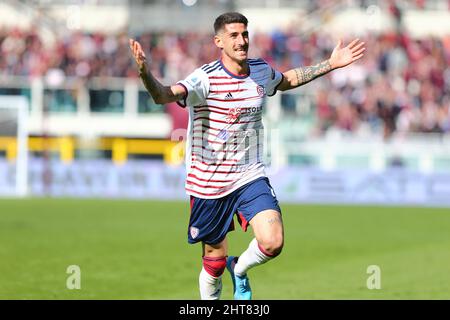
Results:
<point x="224" y="145"/>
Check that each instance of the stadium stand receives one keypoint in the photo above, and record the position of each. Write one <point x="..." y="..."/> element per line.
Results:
<point x="400" y="89"/>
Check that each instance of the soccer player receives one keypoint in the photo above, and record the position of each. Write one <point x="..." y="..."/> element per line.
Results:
<point x="225" y="172"/>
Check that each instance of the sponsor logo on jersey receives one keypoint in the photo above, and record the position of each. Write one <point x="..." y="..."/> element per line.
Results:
<point x="233" y="115"/>
<point x="244" y="110"/>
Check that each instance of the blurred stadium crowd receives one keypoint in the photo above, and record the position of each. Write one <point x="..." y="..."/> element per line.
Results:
<point x="402" y="85"/>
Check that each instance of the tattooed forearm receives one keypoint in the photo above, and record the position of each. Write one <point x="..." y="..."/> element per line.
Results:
<point x="153" y="86"/>
<point x="306" y="74"/>
<point x="161" y="94"/>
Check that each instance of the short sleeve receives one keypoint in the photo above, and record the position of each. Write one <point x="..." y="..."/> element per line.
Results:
<point x="275" y="79"/>
<point x="196" y="86"/>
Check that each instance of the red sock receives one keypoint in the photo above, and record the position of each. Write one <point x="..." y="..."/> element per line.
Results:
<point x="271" y="255"/>
<point x="214" y="266"/>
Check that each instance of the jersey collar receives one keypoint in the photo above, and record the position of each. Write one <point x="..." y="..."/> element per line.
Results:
<point x="231" y="74"/>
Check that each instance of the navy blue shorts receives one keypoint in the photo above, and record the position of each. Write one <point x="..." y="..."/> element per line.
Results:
<point x="212" y="219"/>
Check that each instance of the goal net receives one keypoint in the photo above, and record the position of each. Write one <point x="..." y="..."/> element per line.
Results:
<point x="13" y="146"/>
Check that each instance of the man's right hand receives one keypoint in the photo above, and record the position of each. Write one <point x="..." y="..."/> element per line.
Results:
<point x="139" y="55"/>
<point x="161" y="94"/>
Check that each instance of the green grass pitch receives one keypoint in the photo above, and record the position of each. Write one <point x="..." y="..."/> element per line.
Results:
<point x="138" y="250"/>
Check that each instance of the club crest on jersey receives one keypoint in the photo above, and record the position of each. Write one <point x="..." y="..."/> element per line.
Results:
<point x="233" y="115"/>
<point x="261" y="91"/>
<point x="194" y="232"/>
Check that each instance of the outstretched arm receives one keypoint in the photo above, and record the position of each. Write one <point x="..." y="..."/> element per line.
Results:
<point x="160" y="93"/>
<point x="340" y="57"/>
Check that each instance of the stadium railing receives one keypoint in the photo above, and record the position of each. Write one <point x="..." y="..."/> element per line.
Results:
<point x="100" y="107"/>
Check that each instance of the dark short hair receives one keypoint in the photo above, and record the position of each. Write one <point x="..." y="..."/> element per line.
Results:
<point x="227" y="18"/>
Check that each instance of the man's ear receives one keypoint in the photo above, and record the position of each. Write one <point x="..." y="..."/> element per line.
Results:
<point x="218" y="41"/>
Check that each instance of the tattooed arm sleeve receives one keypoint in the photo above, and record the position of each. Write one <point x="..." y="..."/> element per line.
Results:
<point x="300" y="76"/>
